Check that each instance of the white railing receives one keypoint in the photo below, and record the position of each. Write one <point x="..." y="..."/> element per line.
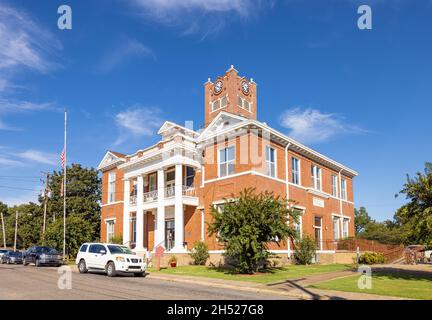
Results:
<point x="170" y="192"/>
<point x="188" y="191"/>
<point x="150" y="196"/>
<point x="133" y="200"/>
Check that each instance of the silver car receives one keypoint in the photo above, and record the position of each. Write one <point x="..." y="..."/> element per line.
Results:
<point x="12" y="257"/>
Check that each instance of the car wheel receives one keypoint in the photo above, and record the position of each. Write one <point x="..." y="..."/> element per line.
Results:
<point x="82" y="266"/>
<point x="25" y="262"/>
<point x="8" y="261"/>
<point x="110" y="269"/>
<point x="139" y="274"/>
<point x="37" y="263"/>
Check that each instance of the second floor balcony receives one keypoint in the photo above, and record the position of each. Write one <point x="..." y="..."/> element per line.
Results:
<point x="169" y="192"/>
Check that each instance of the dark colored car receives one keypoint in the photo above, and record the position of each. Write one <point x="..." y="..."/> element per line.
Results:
<point x="42" y="256"/>
<point x="12" y="257"/>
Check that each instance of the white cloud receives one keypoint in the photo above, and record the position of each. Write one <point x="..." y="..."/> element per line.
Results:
<point x="200" y="16"/>
<point x="123" y="51"/>
<point x="6" y="161"/>
<point x="24" y="43"/>
<point x="311" y="125"/>
<point x="39" y="157"/>
<point x="136" y="122"/>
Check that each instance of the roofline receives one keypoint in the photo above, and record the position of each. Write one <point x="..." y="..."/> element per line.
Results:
<point x="287" y="139"/>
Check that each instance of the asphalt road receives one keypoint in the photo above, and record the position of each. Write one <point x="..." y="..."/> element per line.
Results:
<point x="19" y="282"/>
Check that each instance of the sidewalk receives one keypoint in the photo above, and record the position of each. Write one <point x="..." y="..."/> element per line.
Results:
<point x="295" y="288"/>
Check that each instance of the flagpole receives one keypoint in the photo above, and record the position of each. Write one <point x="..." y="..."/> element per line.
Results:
<point x="64" y="186"/>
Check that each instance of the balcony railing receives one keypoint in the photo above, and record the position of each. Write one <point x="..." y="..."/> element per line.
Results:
<point x="169" y="193"/>
<point x="133" y="200"/>
<point x="150" y="196"/>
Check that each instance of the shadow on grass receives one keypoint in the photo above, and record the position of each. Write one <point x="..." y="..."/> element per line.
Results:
<point x="400" y="273"/>
<point x="234" y="272"/>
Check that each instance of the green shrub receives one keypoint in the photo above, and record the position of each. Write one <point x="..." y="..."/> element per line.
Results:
<point x="117" y="239"/>
<point x="305" y="250"/>
<point x="371" y="258"/>
<point x="199" y="253"/>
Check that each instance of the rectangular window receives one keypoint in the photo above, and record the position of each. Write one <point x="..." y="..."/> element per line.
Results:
<point x="152" y="182"/>
<point x="345" y="228"/>
<point x="111" y="186"/>
<point x="240" y="101"/>
<point x="133" y="230"/>
<point x="110" y="230"/>
<point x="298" y="225"/>
<point x="343" y="189"/>
<point x="316" y="177"/>
<point x="244" y="104"/>
<point x="334" y="185"/>
<point x="295" y="171"/>
<point x="318" y="232"/>
<point x="190" y="175"/>
<point x="226" y="161"/>
<point x="271" y="161"/>
<point x="336" y="228"/>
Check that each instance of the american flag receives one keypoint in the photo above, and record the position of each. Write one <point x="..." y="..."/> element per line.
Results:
<point x="62" y="157"/>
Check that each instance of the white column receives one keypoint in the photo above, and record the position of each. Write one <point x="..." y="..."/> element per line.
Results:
<point x="160" y="231"/>
<point x="126" y="213"/>
<point x="140" y="216"/>
<point x="178" y="210"/>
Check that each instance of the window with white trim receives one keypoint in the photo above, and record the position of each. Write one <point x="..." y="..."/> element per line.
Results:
<point x="295" y="164"/>
<point x="189" y="176"/>
<point x="152" y="182"/>
<point x="110" y="230"/>
<point x="345" y="228"/>
<point x="298" y="225"/>
<point x="271" y="161"/>
<point x="316" y="177"/>
<point x="134" y="230"/>
<point x="343" y="189"/>
<point x="111" y="186"/>
<point x="244" y="104"/>
<point x="334" y="185"/>
<point x="336" y="224"/>
<point x="226" y="161"/>
<point x="218" y="104"/>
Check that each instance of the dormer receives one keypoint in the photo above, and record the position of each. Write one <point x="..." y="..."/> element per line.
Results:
<point x="230" y="93"/>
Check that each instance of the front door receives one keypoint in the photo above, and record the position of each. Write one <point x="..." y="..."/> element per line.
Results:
<point x="169" y="234"/>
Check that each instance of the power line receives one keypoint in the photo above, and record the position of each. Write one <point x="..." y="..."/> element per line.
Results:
<point x="17" y="188"/>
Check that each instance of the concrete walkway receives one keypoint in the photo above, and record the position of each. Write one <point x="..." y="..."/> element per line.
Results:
<point x="295" y="288"/>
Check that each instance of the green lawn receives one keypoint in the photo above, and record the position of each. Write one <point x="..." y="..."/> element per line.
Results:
<point x="269" y="276"/>
<point x="412" y="285"/>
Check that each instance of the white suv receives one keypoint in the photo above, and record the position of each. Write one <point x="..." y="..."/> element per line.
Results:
<point x="112" y="258"/>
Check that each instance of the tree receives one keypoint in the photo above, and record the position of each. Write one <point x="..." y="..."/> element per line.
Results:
<point x="78" y="231"/>
<point x="361" y="219"/>
<point x="416" y="215"/>
<point x="83" y="195"/>
<point x="246" y="227"/>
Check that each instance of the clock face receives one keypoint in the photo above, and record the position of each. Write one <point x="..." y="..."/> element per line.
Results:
<point x="245" y="87"/>
<point x="218" y="87"/>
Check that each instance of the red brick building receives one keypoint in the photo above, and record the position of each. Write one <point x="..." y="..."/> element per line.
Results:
<point x="162" y="195"/>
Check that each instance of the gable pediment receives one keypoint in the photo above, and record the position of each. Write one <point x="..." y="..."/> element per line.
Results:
<point x="222" y="122"/>
<point x="109" y="160"/>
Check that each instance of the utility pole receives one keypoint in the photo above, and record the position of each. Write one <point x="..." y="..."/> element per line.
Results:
<point x="4" y="231"/>
<point x="45" y="206"/>
<point x="16" y="229"/>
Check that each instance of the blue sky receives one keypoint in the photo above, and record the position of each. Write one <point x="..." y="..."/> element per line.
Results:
<point x="362" y="97"/>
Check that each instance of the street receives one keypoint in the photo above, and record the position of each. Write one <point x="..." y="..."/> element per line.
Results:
<point x="19" y="282"/>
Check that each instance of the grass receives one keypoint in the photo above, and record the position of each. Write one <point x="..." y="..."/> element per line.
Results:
<point x="397" y="283"/>
<point x="267" y="276"/>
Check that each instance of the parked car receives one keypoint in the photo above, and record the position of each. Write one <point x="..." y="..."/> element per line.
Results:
<point x="12" y="257"/>
<point x="111" y="258"/>
<point x="2" y="252"/>
<point x="42" y="256"/>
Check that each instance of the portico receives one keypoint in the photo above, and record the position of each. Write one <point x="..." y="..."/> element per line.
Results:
<point x="164" y="194"/>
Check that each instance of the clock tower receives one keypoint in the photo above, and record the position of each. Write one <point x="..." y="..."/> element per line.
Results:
<point x="230" y="93"/>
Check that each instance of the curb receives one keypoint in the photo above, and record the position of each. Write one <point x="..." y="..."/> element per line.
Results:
<point x="231" y="286"/>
